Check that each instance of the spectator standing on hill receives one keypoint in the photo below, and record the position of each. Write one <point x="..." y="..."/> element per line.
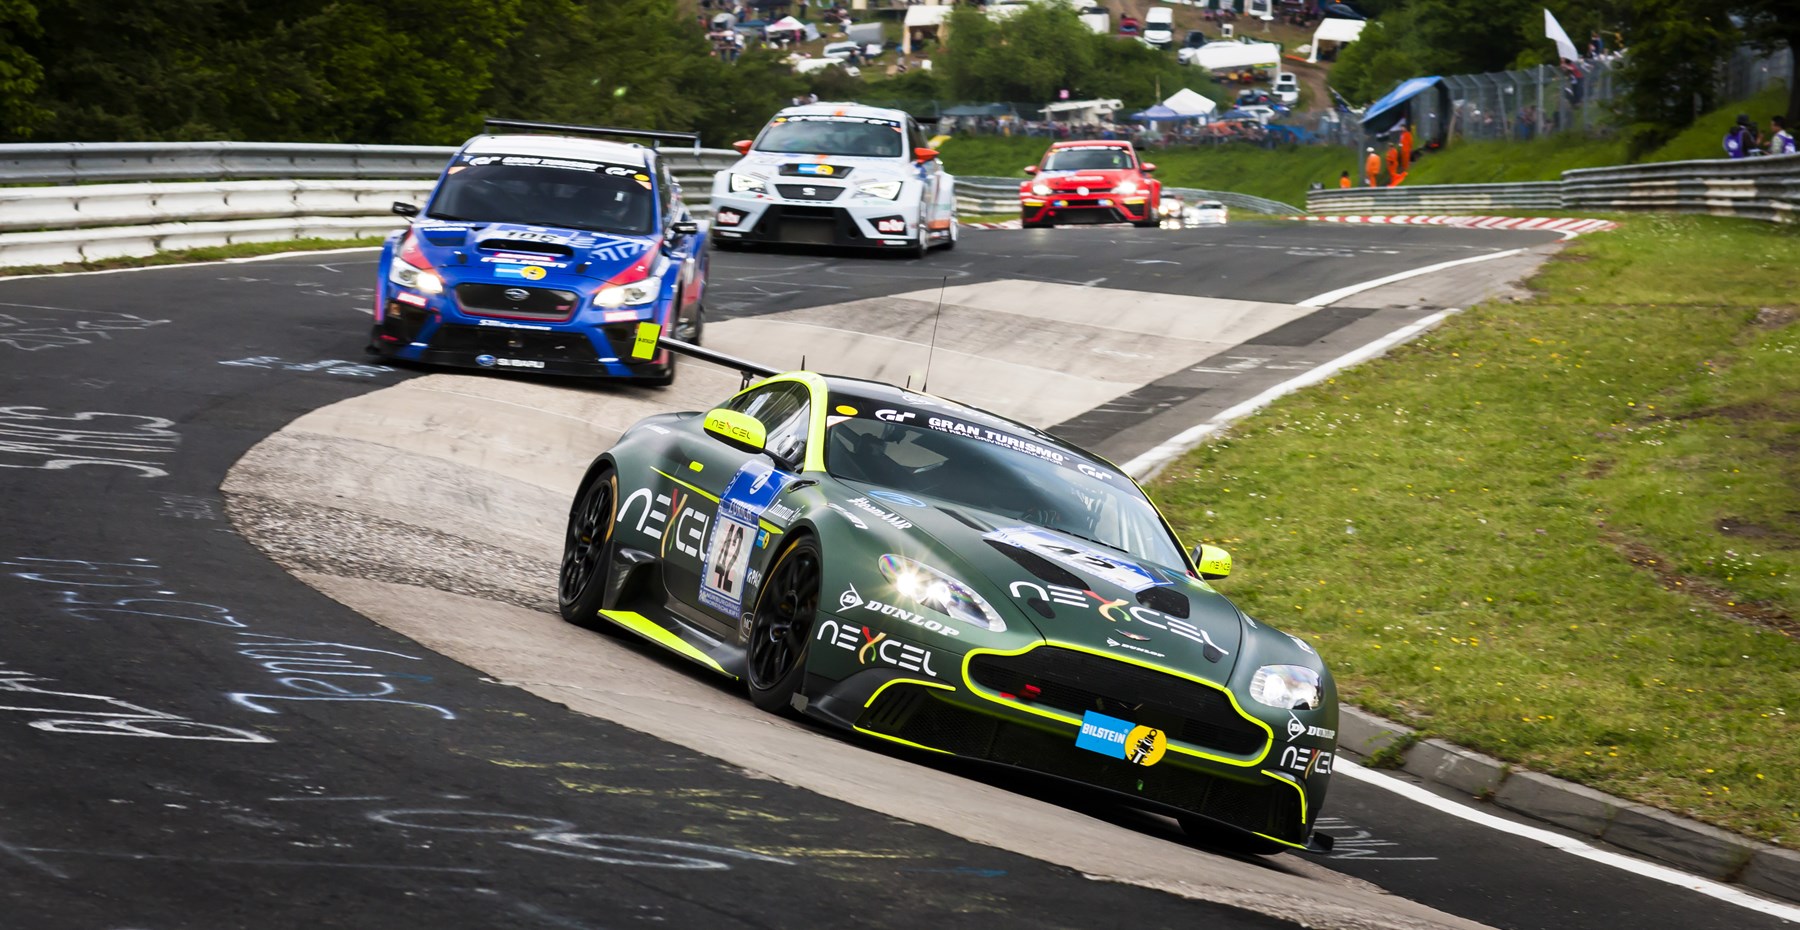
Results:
<point x="1741" y="139"/>
<point x="1782" y="142"/>
<point x="1344" y="181"/>
<point x="1393" y="165"/>
<point x="1406" y="142"/>
<point x="1372" y="167"/>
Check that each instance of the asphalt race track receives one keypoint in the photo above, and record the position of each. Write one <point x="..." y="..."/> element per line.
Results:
<point x="182" y="751"/>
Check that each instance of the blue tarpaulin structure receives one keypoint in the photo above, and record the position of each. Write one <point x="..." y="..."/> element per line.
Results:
<point x="1383" y="114"/>
<point x="1159" y="113"/>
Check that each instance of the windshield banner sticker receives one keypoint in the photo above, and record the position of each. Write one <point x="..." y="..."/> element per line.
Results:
<point x="1128" y="575"/>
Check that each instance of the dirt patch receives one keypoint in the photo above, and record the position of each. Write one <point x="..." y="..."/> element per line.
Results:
<point x="1599" y="468"/>
<point x="1744" y="529"/>
<point x="1740" y="412"/>
<point x="1775" y="317"/>
<point x="1764" y="615"/>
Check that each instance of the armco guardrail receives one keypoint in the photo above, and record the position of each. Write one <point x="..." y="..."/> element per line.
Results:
<point x="188" y="195"/>
<point x="1001" y="195"/>
<point x="1436" y="198"/>
<point x="1755" y="188"/>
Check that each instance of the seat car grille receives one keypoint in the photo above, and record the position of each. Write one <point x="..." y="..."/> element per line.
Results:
<point x="1260" y="805"/>
<point x="513" y="302"/>
<point x="818" y="192"/>
<point x="1076" y="682"/>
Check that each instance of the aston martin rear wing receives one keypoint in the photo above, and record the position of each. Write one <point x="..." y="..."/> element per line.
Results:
<point x="649" y="338"/>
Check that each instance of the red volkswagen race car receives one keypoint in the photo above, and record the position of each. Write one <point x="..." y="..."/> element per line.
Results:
<point x="1090" y="182"/>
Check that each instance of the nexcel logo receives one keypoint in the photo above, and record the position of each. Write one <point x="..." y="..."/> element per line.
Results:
<point x="872" y="646"/>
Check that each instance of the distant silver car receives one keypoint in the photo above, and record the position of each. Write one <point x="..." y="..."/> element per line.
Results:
<point x="1206" y="213"/>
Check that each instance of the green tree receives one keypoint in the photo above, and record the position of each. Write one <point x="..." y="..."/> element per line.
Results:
<point x="20" y="72"/>
<point x="1770" y="25"/>
<point x="1671" y="71"/>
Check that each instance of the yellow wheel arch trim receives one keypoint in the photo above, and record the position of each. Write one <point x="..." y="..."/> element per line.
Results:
<point x="1076" y="721"/>
<point x="645" y="627"/>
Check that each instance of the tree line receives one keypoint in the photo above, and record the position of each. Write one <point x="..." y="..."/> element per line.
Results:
<point x="1676" y="48"/>
<point x="369" y="71"/>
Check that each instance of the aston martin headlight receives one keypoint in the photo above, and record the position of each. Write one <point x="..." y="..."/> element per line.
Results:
<point x="886" y="190"/>
<point x="928" y="587"/>
<point x="1041" y="189"/>
<point x="1288" y="687"/>
<point x="635" y="294"/>
<point x="741" y="183"/>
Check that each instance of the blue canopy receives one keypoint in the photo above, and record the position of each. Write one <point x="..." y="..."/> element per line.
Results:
<point x="1159" y="113"/>
<point x="1384" y="113"/>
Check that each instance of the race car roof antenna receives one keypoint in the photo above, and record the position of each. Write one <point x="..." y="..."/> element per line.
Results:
<point x="925" y="382"/>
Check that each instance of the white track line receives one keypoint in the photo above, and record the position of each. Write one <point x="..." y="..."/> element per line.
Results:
<point x="1331" y="297"/>
<point x="219" y="261"/>
<point x="1147" y="464"/>
<point x="1568" y="844"/>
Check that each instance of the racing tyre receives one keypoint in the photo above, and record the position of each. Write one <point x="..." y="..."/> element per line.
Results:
<point x="1229" y="839"/>
<point x="781" y="628"/>
<point x="691" y="330"/>
<point x="666" y="378"/>
<point x="587" y="551"/>
<point x="1154" y="220"/>
<point x="955" y="233"/>
<point x="727" y="245"/>
<point x="923" y="248"/>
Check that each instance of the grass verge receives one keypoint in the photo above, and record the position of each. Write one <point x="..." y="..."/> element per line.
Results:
<point x="1563" y="531"/>
<point x="188" y="256"/>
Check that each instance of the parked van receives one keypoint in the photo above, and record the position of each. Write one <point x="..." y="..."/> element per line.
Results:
<point x="1159" y="27"/>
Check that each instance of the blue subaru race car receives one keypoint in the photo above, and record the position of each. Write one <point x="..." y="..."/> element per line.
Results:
<point x="542" y="252"/>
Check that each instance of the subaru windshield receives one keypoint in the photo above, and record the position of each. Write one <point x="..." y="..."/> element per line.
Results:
<point x="557" y="192"/>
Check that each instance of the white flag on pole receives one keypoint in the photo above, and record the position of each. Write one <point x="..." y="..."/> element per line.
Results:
<point x="1554" y="30"/>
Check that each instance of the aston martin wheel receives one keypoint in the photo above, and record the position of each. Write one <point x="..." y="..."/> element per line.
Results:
<point x="782" y="627"/>
<point x="587" y="550"/>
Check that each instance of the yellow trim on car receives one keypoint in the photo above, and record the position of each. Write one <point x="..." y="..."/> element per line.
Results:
<point x="905" y="681"/>
<point x="903" y="742"/>
<point x="648" y="629"/>
<point x="1076" y="721"/>
<point x="1295" y="784"/>
<point x="815" y="433"/>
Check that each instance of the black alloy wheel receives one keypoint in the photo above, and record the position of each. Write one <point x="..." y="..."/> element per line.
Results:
<point x="781" y="628"/>
<point x="587" y="548"/>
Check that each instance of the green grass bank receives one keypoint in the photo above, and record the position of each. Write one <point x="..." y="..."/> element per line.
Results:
<point x="1286" y="174"/>
<point x="1563" y="531"/>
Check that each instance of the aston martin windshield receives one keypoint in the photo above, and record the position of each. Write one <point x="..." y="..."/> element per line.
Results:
<point x="1097" y="158"/>
<point x="973" y="464"/>
<point x="832" y="135"/>
<point x="558" y="192"/>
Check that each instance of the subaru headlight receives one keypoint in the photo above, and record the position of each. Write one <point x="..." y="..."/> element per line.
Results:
<point x="931" y="588"/>
<point x="1288" y="687"/>
<point x="1126" y="187"/>
<point x="407" y="275"/>
<point x="886" y="190"/>
<point x="635" y="294"/>
<point x="742" y="183"/>
<point x="1041" y="189"/>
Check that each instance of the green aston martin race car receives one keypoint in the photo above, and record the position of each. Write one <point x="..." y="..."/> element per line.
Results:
<point x="931" y="574"/>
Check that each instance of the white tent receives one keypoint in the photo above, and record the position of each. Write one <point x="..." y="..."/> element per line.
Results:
<point x="1081" y="112"/>
<point x="924" y="22"/>
<point x="785" y="24"/>
<point x="1218" y="56"/>
<point x="1332" y="29"/>
<point x="1189" y="103"/>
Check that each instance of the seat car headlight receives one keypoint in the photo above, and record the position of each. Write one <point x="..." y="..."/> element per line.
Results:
<point x="635" y="294"/>
<point x="1126" y="187"/>
<point x="407" y="275"/>
<point x="1288" y="687"/>
<point x="741" y="183"/>
<point x="886" y="190"/>
<point x="1041" y="189"/>
<point x="931" y="588"/>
